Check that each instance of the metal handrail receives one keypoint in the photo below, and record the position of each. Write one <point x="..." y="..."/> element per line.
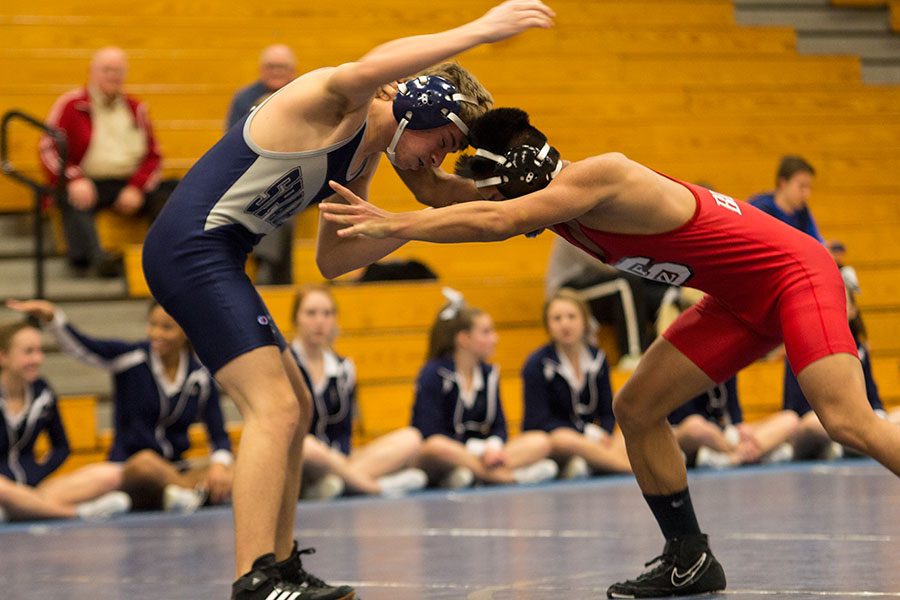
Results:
<point x="40" y="190"/>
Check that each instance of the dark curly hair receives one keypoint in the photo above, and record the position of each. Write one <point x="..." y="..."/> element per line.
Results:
<point x="497" y="130"/>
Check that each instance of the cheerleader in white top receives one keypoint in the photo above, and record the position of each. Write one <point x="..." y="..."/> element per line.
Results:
<point x="568" y="393"/>
<point x="28" y="408"/>
<point x="381" y="467"/>
<point x="458" y="411"/>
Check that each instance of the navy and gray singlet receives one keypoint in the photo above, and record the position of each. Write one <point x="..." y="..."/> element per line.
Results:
<point x="195" y="251"/>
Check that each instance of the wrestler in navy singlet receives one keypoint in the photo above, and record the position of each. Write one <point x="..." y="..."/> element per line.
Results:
<point x="195" y="252"/>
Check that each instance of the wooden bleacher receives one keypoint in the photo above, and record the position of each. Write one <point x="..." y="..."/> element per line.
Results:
<point x="673" y="83"/>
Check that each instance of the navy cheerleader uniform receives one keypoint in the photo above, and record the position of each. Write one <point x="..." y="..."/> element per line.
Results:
<point x="19" y="433"/>
<point x="441" y="408"/>
<point x="334" y="399"/>
<point x="554" y="398"/>
<point x="150" y="411"/>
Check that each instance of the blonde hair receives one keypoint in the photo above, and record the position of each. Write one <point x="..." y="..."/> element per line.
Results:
<point x="467" y="84"/>
<point x="570" y="295"/>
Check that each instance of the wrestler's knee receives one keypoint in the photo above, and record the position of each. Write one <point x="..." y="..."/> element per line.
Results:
<point x="632" y="413"/>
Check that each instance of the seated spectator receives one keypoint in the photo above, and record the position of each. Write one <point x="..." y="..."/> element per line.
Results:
<point x="113" y="160"/>
<point x="28" y="409"/>
<point x="811" y="440"/>
<point x="384" y="466"/>
<point x="458" y="411"/>
<point x="572" y="268"/>
<point x="711" y="432"/>
<point x="568" y="393"/>
<point x="160" y="389"/>
<point x="788" y="203"/>
<point x="277" y="68"/>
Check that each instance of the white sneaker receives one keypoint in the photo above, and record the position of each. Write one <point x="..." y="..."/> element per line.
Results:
<point x="713" y="459"/>
<point x="833" y="451"/>
<point x="576" y="468"/>
<point x="542" y="470"/>
<point x="403" y="482"/>
<point x="458" y="478"/>
<point x="328" y="487"/>
<point x="104" y="507"/>
<point x="181" y="499"/>
<point x="783" y="452"/>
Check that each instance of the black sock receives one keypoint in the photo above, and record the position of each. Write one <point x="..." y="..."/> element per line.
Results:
<point x="674" y="513"/>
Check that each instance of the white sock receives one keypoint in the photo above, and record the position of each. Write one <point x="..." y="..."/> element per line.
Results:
<point x="104" y="507"/>
<point x="403" y="482"/>
<point x="542" y="470"/>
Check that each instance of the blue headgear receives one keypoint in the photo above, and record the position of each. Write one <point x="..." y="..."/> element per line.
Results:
<point x="426" y="102"/>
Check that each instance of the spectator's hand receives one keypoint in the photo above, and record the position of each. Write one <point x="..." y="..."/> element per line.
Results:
<point x="748" y="452"/>
<point x="82" y="193"/>
<point x="40" y="309"/>
<point x="129" y="201"/>
<point x="494" y="457"/>
<point x="748" y="448"/>
<point x="513" y="17"/>
<point x="218" y="482"/>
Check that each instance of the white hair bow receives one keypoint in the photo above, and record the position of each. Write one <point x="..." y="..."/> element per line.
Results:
<point x="456" y="302"/>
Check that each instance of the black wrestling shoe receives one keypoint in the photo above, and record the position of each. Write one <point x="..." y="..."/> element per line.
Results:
<point x="291" y="570"/>
<point x="264" y="582"/>
<point x="685" y="567"/>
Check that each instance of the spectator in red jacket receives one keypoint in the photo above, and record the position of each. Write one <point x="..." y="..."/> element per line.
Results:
<point x="113" y="159"/>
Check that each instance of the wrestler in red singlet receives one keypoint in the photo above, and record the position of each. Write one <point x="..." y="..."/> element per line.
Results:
<point x="765" y="282"/>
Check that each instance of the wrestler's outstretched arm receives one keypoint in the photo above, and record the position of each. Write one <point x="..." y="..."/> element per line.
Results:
<point x="581" y="187"/>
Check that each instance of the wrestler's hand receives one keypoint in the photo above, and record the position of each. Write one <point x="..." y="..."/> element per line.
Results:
<point x="40" y="309"/>
<point x="513" y="17"/>
<point x="361" y="218"/>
